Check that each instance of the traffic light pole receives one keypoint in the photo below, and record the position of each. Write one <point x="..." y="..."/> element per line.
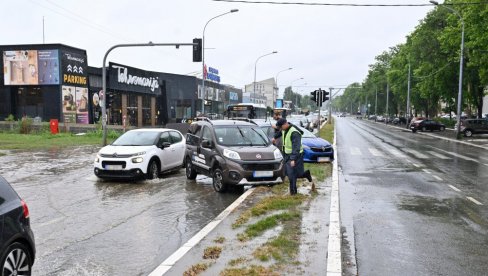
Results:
<point x="104" y="77"/>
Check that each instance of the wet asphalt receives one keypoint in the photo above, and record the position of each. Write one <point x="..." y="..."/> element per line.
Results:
<point x="411" y="204"/>
<point x="86" y="226"/>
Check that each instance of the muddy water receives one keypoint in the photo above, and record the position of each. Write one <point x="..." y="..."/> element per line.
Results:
<point x="86" y="226"/>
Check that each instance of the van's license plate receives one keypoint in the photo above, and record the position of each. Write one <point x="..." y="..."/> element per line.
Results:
<point x="113" y="167"/>
<point x="263" y="174"/>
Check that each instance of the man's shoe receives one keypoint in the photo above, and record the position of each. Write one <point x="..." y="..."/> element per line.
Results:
<point x="308" y="176"/>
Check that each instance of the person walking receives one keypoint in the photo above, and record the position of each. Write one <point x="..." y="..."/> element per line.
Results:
<point x="293" y="150"/>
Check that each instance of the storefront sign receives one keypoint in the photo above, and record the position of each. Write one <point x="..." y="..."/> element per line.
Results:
<point x="31" y="67"/>
<point x="74" y="68"/>
<point x="126" y="78"/>
<point x="233" y="96"/>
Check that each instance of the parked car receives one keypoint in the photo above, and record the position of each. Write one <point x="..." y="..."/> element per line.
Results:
<point x="380" y="119"/>
<point x="17" y="245"/>
<point x="415" y="119"/>
<point x="424" y="125"/>
<point x="141" y="153"/>
<point x="315" y="149"/>
<point x="399" y="120"/>
<point x="473" y="126"/>
<point x="233" y="153"/>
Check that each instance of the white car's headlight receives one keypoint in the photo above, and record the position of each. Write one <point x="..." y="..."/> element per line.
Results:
<point x="277" y="154"/>
<point x="231" y="154"/>
<point x="139" y="153"/>
<point x="137" y="160"/>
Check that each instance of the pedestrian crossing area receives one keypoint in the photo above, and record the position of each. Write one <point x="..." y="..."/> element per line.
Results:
<point x="384" y="152"/>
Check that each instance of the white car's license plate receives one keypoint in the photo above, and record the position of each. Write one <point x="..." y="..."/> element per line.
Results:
<point x="323" y="159"/>
<point x="113" y="167"/>
<point x="263" y="174"/>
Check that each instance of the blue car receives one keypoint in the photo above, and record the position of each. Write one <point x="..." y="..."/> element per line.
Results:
<point x="316" y="149"/>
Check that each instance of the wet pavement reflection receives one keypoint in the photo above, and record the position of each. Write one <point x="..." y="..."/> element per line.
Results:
<point x="87" y="226"/>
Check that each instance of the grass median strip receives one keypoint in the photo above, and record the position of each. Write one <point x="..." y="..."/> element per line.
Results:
<point x="267" y="223"/>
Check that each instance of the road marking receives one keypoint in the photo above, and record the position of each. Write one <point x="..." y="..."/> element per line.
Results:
<point x="417" y="154"/>
<point x="396" y="153"/>
<point x="460" y="156"/>
<point x="454" y="188"/>
<point x="416" y="165"/>
<point x="375" y="152"/>
<point x="427" y="171"/>
<point x="355" y="151"/>
<point x="438" y="155"/>
<point x="438" y="178"/>
<point x="474" y="200"/>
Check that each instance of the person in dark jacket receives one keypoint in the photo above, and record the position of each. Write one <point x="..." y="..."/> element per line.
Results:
<point x="293" y="152"/>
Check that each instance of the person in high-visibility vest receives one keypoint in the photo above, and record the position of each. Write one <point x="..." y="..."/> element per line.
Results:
<point x="293" y="151"/>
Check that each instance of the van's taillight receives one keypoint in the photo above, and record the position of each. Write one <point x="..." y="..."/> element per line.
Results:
<point x="25" y="208"/>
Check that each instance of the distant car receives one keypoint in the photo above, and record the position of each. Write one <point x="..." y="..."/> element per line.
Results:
<point x="141" y="153"/>
<point x="17" y="245"/>
<point x="473" y="126"/>
<point x="399" y="121"/>
<point x="426" y="125"/>
<point x="316" y="149"/>
<point x="343" y="114"/>
<point x="380" y="119"/>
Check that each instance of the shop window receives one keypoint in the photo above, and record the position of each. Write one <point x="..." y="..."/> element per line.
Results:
<point x="132" y="109"/>
<point x="146" y="110"/>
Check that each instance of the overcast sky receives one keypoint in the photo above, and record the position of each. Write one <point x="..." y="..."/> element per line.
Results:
<point x="328" y="46"/>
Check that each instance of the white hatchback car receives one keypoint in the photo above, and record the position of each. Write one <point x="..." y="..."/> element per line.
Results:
<point x="141" y="153"/>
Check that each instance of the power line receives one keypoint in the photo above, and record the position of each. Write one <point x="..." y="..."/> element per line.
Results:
<point x="344" y="4"/>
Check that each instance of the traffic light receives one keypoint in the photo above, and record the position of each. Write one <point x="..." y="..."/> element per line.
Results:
<point x="324" y="95"/>
<point x="314" y="96"/>
<point x="109" y="100"/>
<point x="197" y="50"/>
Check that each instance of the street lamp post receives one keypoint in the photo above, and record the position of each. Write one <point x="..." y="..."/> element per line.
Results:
<point x="291" y="85"/>
<point x="460" y="85"/>
<point x="204" y="94"/>
<point x="277" y="87"/>
<point x="255" y="65"/>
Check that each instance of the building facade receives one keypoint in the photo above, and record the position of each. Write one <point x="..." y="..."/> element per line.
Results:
<point x="264" y="94"/>
<point x="54" y="81"/>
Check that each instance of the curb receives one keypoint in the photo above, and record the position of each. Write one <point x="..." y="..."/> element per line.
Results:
<point x="167" y="264"/>
<point x="334" y="255"/>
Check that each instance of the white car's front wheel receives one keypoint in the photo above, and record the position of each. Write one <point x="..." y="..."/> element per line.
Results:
<point x="153" y="170"/>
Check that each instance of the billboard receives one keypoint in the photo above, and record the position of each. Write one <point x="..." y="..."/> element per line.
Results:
<point x="31" y="67"/>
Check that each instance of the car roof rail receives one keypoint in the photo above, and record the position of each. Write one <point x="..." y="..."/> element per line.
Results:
<point x="244" y="119"/>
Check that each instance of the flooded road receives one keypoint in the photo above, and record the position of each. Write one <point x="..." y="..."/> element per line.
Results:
<point x="86" y="226"/>
<point x="411" y="204"/>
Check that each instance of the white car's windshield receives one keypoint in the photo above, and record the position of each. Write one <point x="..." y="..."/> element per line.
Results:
<point x="137" y="138"/>
<point x="241" y="136"/>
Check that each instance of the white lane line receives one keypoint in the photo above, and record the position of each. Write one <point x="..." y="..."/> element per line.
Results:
<point x="355" y="151"/>
<point x="454" y="188"/>
<point x="375" y="152"/>
<point x="427" y="171"/>
<point x="416" y="165"/>
<point x="396" y="153"/>
<point x="438" y="178"/>
<point x="459" y="155"/>
<point x="417" y="154"/>
<point x="474" y="200"/>
<point x="438" y="155"/>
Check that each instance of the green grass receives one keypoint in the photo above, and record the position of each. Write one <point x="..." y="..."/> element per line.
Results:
<point x="267" y="223"/>
<point x="272" y="203"/>
<point x="327" y="132"/>
<point x="13" y="141"/>
<point x="319" y="171"/>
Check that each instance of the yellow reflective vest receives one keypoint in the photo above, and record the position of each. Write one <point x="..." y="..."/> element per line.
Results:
<point x="287" y="144"/>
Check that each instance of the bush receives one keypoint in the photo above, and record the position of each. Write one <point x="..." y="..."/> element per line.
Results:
<point x="25" y="125"/>
<point x="447" y="122"/>
<point x="10" y="118"/>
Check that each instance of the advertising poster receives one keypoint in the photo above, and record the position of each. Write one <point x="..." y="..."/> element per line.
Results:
<point x="20" y="67"/>
<point x="81" y="105"/>
<point x="69" y="104"/>
<point x="48" y="61"/>
<point x="74" y="69"/>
